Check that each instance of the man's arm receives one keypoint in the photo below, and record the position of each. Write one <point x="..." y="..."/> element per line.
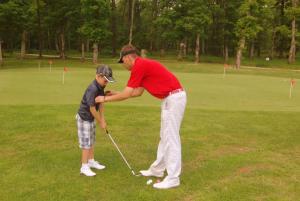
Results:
<point x="137" y="92"/>
<point x="128" y="92"/>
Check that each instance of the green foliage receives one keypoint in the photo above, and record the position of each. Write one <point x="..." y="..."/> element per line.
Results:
<point x="96" y="19"/>
<point x="198" y="17"/>
<point x="247" y="25"/>
<point x="265" y="24"/>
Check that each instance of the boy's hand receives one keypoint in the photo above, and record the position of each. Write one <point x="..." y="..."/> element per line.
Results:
<point x="103" y="124"/>
<point x="108" y="93"/>
<point x="99" y="99"/>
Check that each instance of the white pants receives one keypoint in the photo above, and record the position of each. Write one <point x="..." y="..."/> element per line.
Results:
<point x="169" y="148"/>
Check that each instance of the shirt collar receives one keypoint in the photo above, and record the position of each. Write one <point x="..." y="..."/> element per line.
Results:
<point x="98" y="85"/>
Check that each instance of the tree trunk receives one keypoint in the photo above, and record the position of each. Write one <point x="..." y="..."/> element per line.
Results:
<point x="197" y="49"/>
<point x="23" y="44"/>
<point x="82" y="52"/>
<point x="87" y="45"/>
<point x="56" y="45"/>
<point x="62" y="45"/>
<point x="181" y="48"/>
<point x="239" y="53"/>
<point x="273" y="43"/>
<point x="113" y="27"/>
<point x="292" y="52"/>
<point x="251" y="55"/>
<point x="185" y="47"/>
<point x="131" y="22"/>
<point x="28" y="41"/>
<point x="162" y="53"/>
<point x="95" y="53"/>
<point x="203" y="46"/>
<point x="282" y="16"/>
<point x="226" y="53"/>
<point x="153" y="18"/>
<point x="49" y="39"/>
<point x="39" y="28"/>
<point x="1" y="57"/>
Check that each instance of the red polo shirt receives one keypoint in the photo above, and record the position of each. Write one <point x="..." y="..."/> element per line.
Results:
<point x="152" y="76"/>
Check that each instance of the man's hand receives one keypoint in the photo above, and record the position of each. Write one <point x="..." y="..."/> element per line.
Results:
<point x="99" y="99"/>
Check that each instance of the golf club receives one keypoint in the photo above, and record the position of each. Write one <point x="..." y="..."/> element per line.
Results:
<point x="132" y="171"/>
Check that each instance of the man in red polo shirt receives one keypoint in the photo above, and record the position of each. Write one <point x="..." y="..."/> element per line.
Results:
<point x="161" y="83"/>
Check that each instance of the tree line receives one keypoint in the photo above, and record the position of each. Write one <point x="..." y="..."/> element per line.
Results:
<point x="252" y="28"/>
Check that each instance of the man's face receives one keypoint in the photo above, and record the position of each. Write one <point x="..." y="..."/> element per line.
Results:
<point x="127" y="62"/>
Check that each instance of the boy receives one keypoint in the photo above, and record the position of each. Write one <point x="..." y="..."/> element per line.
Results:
<point x="88" y="111"/>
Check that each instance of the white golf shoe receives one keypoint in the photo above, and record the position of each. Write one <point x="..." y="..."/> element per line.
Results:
<point x="96" y="165"/>
<point x="86" y="170"/>
<point x="167" y="183"/>
<point x="149" y="173"/>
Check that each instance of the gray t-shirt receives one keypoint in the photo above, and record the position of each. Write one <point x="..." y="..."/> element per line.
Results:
<point x="88" y="99"/>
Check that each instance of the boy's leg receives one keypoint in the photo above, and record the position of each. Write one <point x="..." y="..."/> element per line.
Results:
<point x="84" y="139"/>
<point x="91" y="153"/>
<point x="91" y="162"/>
<point x="85" y="156"/>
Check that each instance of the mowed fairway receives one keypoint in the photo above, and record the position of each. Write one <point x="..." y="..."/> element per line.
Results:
<point x="240" y="138"/>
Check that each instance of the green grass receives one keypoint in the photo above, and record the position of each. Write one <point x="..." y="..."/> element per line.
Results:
<point x="240" y="135"/>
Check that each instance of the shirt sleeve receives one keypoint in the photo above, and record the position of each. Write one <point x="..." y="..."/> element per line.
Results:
<point x="136" y="77"/>
<point x="90" y="97"/>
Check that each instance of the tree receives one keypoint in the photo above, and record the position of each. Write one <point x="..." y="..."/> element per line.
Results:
<point x="113" y="27"/>
<point x="165" y="24"/>
<point x="61" y="16"/>
<point x="96" y="22"/>
<point x="38" y="8"/>
<point x="294" y="12"/>
<point x="196" y="22"/>
<point x="131" y="21"/>
<point x="247" y="26"/>
<point x="1" y="57"/>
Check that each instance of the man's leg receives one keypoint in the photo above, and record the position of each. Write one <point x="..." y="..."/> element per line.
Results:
<point x="158" y="166"/>
<point x="172" y="158"/>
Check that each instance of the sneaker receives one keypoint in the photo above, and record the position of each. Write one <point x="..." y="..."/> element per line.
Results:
<point x="167" y="183"/>
<point x="96" y="165"/>
<point x="87" y="171"/>
<point x="149" y="173"/>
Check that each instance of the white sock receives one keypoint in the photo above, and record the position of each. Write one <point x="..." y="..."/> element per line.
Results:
<point x="91" y="160"/>
<point x="84" y="165"/>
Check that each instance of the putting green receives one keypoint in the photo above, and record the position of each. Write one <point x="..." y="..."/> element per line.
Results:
<point x="205" y="91"/>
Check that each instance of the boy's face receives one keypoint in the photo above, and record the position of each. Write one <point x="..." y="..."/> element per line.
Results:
<point x="101" y="80"/>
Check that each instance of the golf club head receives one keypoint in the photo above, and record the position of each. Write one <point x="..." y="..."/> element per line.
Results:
<point x="133" y="173"/>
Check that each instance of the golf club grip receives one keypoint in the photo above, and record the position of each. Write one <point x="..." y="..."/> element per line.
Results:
<point x="119" y="150"/>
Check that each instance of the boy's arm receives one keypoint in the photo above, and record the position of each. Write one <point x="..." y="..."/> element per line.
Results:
<point x="99" y="116"/>
<point x="101" y="113"/>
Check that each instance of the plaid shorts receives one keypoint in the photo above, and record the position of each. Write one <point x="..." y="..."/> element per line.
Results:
<point x="86" y="133"/>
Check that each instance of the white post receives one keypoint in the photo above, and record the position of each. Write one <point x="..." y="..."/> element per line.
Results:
<point x="291" y="89"/>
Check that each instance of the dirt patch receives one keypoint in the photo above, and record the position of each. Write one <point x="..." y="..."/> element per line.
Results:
<point x="231" y="150"/>
<point x="195" y="163"/>
<point x="252" y="168"/>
